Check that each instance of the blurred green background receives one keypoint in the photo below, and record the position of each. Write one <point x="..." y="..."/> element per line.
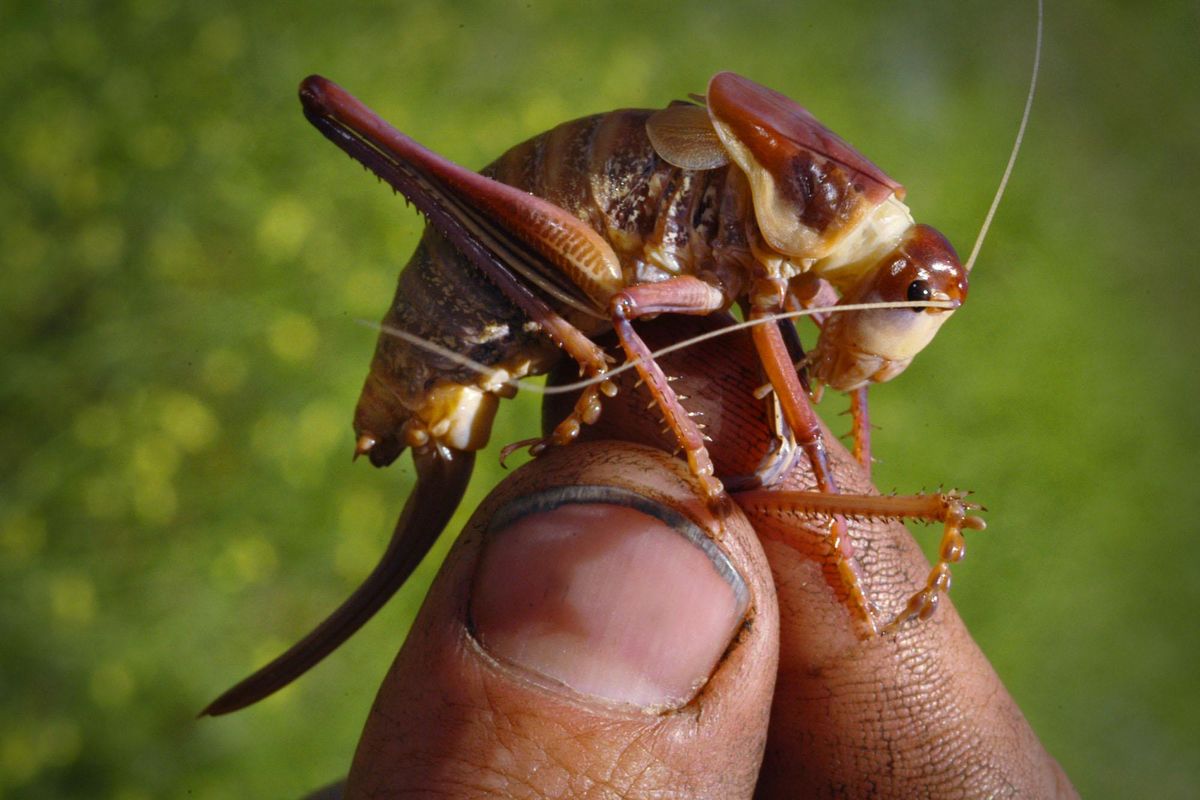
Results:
<point x="184" y="261"/>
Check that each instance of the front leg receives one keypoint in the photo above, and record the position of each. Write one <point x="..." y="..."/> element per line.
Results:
<point x="802" y="418"/>
<point x="807" y="292"/>
<point x="861" y="427"/>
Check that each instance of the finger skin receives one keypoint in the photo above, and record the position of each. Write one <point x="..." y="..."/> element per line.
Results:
<point x="919" y="713"/>
<point x="451" y="721"/>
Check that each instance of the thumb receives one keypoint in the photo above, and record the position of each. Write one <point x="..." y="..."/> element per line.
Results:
<point x="593" y="631"/>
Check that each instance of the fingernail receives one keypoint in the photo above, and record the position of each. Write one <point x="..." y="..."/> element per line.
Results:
<point x="607" y="593"/>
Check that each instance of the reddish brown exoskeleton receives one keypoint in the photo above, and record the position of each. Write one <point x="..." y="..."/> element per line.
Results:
<point x="741" y="198"/>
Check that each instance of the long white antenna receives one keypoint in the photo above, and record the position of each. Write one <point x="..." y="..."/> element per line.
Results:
<point x="528" y="385"/>
<point x="1012" y="158"/>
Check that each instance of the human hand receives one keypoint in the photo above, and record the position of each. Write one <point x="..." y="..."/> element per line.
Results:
<point x="593" y="650"/>
<point x="559" y="654"/>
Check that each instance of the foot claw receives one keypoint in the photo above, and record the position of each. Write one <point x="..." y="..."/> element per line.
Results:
<point x="509" y="449"/>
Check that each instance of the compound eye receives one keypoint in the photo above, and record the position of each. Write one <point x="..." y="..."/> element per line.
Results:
<point x="919" y="291"/>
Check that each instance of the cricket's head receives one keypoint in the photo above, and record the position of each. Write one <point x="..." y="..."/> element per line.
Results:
<point x="876" y="344"/>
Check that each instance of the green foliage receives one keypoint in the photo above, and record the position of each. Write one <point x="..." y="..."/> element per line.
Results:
<point x="184" y="260"/>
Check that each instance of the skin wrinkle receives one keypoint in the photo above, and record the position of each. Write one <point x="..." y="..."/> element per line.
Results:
<point x="481" y="774"/>
<point x="948" y="750"/>
<point x="515" y="775"/>
<point x="550" y="745"/>
<point x="611" y="775"/>
<point x="625" y="772"/>
<point x="942" y="750"/>
<point x="507" y="731"/>
<point x="636" y="771"/>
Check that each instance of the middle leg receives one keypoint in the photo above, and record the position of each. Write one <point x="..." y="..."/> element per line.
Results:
<point x="682" y="295"/>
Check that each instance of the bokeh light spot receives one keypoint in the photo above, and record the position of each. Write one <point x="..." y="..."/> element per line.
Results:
<point x="18" y="758"/>
<point x="73" y="599"/>
<point x="293" y="337"/>
<point x="361" y="510"/>
<point x="283" y="228"/>
<point x="154" y="456"/>
<point x="154" y="501"/>
<point x="188" y="421"/>
<point x="243" y="562"/>
<point x="322" y="425"/>
<point x="111" y="685"/>
<point x="55" y="147"/>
